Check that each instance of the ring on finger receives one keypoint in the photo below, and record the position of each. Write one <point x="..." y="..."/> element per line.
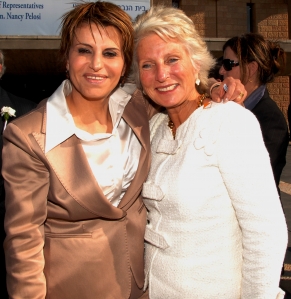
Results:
<point x="241" y="95"/>
<point x="225" y="87"/>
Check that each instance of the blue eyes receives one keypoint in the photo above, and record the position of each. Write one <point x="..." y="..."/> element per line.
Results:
<point x="169" y="61"/>
<point x="173" y="60"/>
<point x="147" y="66"/>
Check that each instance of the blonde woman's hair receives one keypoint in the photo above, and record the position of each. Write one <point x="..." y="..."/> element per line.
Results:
<point x="171" y="23"/>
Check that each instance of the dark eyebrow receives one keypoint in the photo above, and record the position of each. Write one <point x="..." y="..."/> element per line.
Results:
<point x="83" y="44"/>
<point x="114" y="49"/>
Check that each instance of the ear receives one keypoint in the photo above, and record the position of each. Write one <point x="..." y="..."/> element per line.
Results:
<point x="67" y="65"/>
<point x="196" y="70"/>
<point x="253" y="68"/>
<point x="123" y="70"/>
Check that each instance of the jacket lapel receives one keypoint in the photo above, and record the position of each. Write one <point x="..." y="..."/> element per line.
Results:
<point x="136" y="117"/>
<point x="70" y="165"/>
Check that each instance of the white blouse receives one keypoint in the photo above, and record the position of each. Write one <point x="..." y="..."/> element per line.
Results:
<point x="113" y="157"/>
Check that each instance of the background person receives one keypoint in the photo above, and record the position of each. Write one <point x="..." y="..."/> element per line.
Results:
<point x="215" y="228"/>
<point x="214" y="71"/>
<point x="21" y="106"/>
<point x="256" y="61"/>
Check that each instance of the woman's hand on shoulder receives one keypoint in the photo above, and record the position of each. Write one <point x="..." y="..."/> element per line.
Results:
<point x="229" y="89"/>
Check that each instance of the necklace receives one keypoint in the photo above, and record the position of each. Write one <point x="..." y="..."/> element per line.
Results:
<point x="171" y="125"/>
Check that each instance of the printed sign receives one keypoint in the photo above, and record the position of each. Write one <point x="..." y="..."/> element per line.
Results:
<point x="43" y="17"/>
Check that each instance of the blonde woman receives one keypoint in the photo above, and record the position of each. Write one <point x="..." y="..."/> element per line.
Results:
<point x="215" y="225"/>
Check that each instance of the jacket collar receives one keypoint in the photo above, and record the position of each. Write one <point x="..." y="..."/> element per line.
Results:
<point x="59" y="122"/>
<point x="136" y="116"/>
<point x="254" y="98"/>
<point x="70" y="164"/>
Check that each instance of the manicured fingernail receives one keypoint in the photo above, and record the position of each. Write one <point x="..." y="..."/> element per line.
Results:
<point x="225" y="100"/>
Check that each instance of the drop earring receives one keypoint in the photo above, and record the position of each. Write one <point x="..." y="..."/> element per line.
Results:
<point x="197" y="81"/>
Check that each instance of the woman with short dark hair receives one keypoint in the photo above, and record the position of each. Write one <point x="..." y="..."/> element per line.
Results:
<point x="74" y="169"/>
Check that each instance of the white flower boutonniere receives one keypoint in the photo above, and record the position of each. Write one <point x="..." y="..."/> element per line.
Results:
<point x="6" y="112"/>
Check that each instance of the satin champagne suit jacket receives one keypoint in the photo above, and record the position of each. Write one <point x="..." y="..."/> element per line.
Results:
<point x="64" y="238"/>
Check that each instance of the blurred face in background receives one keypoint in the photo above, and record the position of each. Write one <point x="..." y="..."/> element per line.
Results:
<point x="230" y="69"/>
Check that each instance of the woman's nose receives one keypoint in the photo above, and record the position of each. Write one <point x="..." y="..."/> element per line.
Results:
<point x="162" y="73"/>
<point x="221" y="71"/>
<point x="96" y="62"/>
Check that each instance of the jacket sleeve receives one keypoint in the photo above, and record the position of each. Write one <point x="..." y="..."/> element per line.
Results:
<point x="245" y="166"/>
<point x="26" y="184"/>
<point x="275" y="134"/>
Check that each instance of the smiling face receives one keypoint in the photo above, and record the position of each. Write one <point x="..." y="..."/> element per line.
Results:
<point x="235" y="71"/>
<point x="166" y="71"/>
<point x="95" y="62"/>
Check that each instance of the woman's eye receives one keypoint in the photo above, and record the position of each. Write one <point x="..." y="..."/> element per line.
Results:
<point x="146" y="66"/>
<point x="110" y="54"/>
<point x="172" y="60"/>
<point x="84" y="51"/>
